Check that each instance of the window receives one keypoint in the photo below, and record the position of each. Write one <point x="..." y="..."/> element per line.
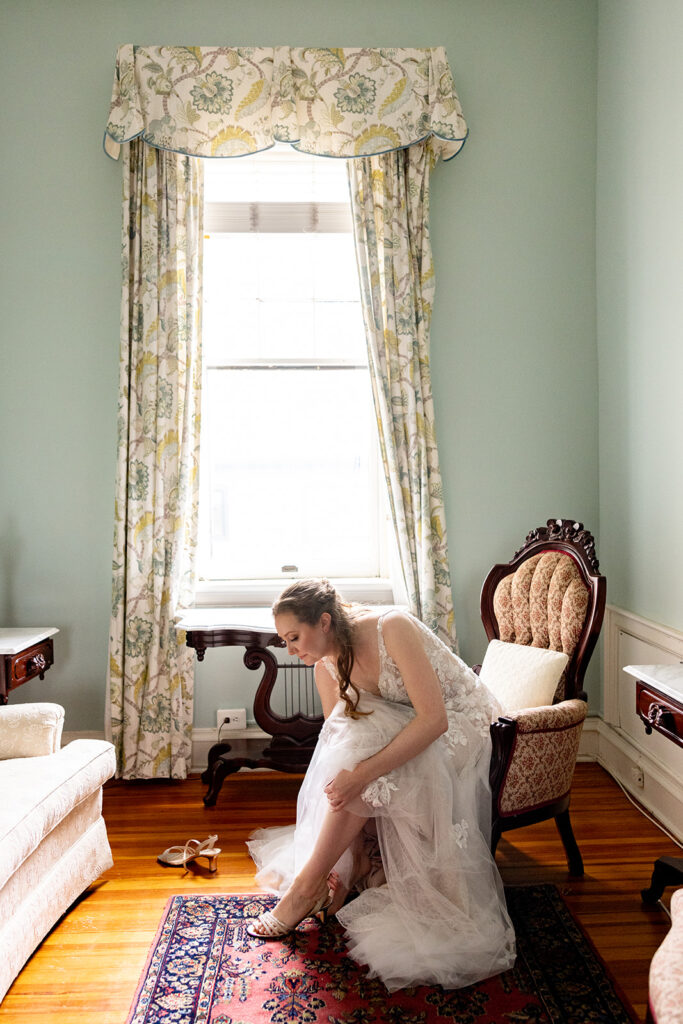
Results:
<point x="291" y="480"/>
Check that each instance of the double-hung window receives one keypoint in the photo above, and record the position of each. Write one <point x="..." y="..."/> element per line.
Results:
<point x="291" y="480"/>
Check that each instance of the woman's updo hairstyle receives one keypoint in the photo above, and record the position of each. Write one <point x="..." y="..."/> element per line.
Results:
<point x="307" y="600"/>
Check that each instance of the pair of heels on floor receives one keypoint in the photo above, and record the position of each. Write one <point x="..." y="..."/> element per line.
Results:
<point x="181" y="856"/>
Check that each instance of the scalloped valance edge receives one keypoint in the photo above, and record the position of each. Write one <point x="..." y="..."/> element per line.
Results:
<point x="234" y="101"/>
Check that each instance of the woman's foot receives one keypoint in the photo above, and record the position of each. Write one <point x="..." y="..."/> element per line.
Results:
<point x="298" y="903"/>
<point x="339" y="891"/>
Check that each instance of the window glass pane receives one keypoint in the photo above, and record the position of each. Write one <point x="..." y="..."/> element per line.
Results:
<point x="287" y="329"/>
<point x="339" y="331"/>
<point x="276" y="173"/>
<point x="285" y="266"/>
<point x="257" y="285"/>
<point x="291" y="465"/>
<point x="334" y="268"/>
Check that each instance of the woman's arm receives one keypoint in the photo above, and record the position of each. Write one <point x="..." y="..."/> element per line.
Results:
<point x="327" y="688"/>
<point x="404" y="643"/>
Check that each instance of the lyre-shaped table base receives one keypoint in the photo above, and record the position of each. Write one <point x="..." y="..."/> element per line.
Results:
<point x="292" y="738"/>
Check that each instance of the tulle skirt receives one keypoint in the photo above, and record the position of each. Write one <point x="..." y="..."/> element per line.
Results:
<point x="440" y="916"/>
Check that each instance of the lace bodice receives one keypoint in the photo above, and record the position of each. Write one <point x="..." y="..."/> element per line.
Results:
<point x="462" y="689"/>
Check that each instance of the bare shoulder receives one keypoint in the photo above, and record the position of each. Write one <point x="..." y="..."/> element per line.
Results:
<point x="399" y="628"/>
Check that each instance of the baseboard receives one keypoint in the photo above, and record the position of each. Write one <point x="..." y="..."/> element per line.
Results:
<point x="589" y="743"/>
<point x="661" y="793"/>
<point x="202" y="741"/>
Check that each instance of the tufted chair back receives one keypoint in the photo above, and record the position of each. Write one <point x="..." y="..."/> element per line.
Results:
<point x="550" y="595"/>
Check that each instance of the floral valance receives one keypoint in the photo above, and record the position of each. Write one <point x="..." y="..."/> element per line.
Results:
<point x="223" y="101"/>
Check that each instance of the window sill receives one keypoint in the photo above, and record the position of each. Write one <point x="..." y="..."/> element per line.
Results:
<point x="262" y="593"/>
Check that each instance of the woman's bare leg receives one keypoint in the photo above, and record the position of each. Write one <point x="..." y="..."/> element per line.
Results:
<point x="339" y="831"/>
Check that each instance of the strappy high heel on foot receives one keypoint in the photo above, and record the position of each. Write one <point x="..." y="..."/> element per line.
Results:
<point x="180" y="856"/>
<point x="339" y="892"/>
<point x="273" y="928"/>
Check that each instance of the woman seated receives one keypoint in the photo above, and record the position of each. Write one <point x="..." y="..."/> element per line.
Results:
<point x="395" y="805"/>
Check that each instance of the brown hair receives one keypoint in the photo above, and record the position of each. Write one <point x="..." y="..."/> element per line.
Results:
<point x="308" y="599"/>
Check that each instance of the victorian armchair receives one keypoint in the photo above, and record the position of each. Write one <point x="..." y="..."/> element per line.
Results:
<point x="550" y="595"/>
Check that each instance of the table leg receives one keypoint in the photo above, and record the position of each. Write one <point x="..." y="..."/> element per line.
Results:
<point x="667" y="871"/>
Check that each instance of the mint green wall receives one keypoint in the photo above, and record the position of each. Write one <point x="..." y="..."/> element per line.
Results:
<point x="514" y="349"/>
<point x="640" y="304"/>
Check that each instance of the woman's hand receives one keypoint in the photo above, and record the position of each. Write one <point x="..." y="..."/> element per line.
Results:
<point x="344" y="788"/>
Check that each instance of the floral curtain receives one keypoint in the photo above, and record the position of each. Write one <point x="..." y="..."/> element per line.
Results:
<point x="390" y="199"/>
<point x="169" y="105"/>
<point x="150" y="670"/>
<point x="227" y="101"/>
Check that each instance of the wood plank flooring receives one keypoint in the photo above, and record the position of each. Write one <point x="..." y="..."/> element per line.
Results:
<point x="87" y="969"/>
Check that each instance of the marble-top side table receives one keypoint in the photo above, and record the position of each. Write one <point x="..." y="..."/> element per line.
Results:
<point x="25" y="652"/>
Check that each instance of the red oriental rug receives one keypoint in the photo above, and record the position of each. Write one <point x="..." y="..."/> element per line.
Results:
<point x="205" y="969"/>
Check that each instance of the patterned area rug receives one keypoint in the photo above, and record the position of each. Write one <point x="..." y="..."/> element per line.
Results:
<point x="205" y="969"/>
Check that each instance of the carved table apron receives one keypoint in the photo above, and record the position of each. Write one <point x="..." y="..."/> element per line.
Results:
<point x="291" y="740"/>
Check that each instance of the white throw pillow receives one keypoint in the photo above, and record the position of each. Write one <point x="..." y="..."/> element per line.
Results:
<point x="521" y="677"/>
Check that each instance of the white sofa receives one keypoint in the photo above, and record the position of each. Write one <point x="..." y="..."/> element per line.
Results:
<point x="53" y="841"/>
<point x="666" y="971"/>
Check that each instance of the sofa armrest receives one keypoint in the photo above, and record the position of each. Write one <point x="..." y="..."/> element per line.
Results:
<point x="666" y="970"/>
<point x="30" y="730"/>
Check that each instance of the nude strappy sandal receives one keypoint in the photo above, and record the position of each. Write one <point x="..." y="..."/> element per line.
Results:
<point x="274" y="928"/>
<point x="179" y="856"/>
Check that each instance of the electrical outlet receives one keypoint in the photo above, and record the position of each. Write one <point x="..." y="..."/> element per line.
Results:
<point x="637" y="775"/>
<point x="231" y="719"/>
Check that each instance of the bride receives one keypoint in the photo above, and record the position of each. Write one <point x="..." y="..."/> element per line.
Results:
<point x="395" y="805"/>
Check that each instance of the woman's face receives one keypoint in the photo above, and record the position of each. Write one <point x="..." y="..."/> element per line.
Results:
<point x="308" y="643"/>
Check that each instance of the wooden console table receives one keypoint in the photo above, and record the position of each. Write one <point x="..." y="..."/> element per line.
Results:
<point x="659" y="703"/>
<point x="292" y="739"/>
<point x="24" y="654"/>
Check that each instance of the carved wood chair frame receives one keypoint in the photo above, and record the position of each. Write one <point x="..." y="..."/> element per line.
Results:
<point x="569" y="537"/>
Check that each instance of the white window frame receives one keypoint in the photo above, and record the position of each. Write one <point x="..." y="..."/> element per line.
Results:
<point x="235" y="217"/>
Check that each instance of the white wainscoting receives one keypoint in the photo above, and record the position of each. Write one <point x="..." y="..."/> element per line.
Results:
<point x="618" y="740"/>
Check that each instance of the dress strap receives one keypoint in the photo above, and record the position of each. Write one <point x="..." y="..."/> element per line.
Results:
<point x="380" y="637"/>
<point x="331" y="667"/>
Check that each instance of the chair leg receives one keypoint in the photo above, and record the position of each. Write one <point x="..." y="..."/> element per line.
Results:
<point x="496" y="833"/>
<point x="574" y="859"/>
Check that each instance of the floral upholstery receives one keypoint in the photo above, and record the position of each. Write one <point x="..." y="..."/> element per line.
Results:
<point x="542" y="762"/>
<point x="666" y="970"/>
<point x="543" y="604"/>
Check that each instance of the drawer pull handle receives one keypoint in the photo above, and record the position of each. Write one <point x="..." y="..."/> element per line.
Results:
<point x="657" y="715"/>
<point x="37" y="664"/>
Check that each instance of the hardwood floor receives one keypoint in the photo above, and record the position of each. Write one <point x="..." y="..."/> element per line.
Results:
<point x="87" y="969"/>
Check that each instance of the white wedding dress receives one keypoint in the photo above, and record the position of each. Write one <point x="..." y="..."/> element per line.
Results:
<point x="440" y="917"/>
